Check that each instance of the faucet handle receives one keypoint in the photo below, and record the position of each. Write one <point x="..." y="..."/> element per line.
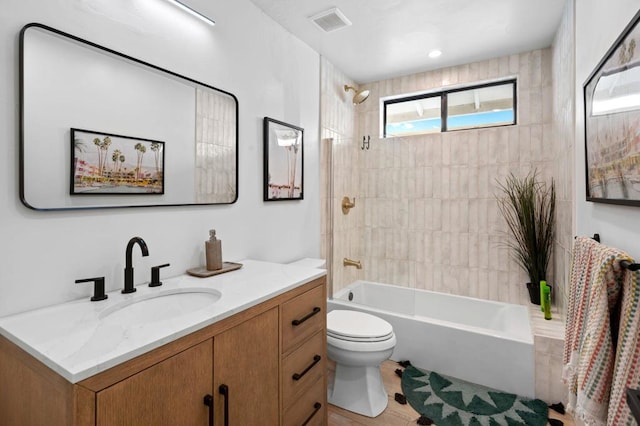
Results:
<point x="155" y="275"/>
<point x="98" y="288"/>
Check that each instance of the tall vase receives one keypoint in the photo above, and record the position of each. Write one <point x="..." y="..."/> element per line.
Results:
<point x="534" y="292"/>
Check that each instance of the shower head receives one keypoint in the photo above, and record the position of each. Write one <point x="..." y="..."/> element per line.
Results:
<point x="360" y="95"/>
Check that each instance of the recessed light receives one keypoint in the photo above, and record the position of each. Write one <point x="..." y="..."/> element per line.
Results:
<point x="435" y="53"/>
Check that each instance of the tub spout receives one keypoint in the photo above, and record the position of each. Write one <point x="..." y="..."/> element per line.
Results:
<point x="348" y="262"/>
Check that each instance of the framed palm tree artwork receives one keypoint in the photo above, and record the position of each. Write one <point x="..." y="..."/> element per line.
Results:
<point x="105" y="163"/>
<point x="612" y="122"/>
<point x="283" y="161"/>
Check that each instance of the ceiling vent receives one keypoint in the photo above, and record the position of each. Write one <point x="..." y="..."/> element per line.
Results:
<point x="330" y="20"/>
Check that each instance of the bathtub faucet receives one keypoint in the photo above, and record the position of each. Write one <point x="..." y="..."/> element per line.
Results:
<point x="348" y="262"/>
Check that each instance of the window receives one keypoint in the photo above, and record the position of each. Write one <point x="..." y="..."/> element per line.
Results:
<point x="486" y="105"/>
<point x="414" y="117"/>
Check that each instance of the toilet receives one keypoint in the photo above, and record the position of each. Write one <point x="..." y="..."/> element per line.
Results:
<point x="358" y="342"/>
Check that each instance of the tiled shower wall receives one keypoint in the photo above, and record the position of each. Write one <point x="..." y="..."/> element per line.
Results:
<point x="339" y="174"/>
<point x="431" y="219"/>
<point x="563" y="71"/>
<point x="549" y="336"/>
<point x="215" y="147"/>
<point x="426" y="214"/>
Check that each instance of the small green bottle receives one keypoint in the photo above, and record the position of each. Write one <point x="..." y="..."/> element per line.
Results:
<point x="547" y="302"/>
<point x="543" y="284"/>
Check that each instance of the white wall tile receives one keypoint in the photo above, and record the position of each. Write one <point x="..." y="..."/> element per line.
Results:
<point x="432" y="197"/>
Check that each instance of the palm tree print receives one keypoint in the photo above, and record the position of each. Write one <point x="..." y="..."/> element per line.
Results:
<point x="115" y="157"/>
<point x="112" y="170"/>
<point x="155" y="147"/>
<point x="140" y="150"/>
<point x="103" y="149"/>
<point x="97" y="143"/>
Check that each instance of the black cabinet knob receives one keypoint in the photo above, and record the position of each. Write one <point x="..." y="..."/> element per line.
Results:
<point x="98" y="288"/>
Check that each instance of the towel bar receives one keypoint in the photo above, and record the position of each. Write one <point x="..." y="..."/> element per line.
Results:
<point x="624" y="263"/>
<point x="630" y="266"/>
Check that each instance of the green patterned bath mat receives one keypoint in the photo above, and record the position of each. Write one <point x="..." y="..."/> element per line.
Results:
<point x="452" y="402"/>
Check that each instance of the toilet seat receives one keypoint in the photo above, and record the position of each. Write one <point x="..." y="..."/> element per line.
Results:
<point x="354" y="328"/>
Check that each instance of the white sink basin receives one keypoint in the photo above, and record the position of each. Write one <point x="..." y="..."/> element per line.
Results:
<point x="163" y="305"/>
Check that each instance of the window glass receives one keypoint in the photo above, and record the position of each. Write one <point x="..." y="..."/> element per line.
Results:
<point x="414" y="117"/>
<point x="492" y="104"/>
<point x="480" y="107"/>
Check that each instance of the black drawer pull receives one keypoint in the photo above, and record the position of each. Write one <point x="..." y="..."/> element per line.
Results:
<point x="224" y="391"/>
<point x="306" y="317"/>
<point x="298" y="376"/>
<point x="208" y="401"/>
<point x="316" y="408"/>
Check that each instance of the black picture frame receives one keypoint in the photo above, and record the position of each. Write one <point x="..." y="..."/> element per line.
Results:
<point x="110" y="164"/>
<point x="611" y="96"/>
<point x="283" y="151"/>
<point x="27" y="181"/>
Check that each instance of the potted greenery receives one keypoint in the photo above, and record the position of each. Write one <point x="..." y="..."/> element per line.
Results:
<point x="528" y="207"/>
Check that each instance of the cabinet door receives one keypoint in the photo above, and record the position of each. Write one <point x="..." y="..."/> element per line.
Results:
<point x="169" y="393"/>
<point x="246" y="362"/>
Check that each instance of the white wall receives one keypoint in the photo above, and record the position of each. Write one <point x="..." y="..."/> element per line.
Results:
<point x="598" y="25"/>
<point x="272" y="74"/>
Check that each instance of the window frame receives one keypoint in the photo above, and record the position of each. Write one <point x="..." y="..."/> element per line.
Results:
<point x="444" y="113"/>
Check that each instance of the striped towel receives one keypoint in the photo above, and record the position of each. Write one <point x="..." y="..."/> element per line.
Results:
<point x="627" y="361"/>
<point x="582" y="268"/>
<point x="589" y="356"/>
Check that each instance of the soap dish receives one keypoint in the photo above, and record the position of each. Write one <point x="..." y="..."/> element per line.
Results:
<point x="203" y="272"/>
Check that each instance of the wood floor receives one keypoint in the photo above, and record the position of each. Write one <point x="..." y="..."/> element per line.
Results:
<point x="395" y="414"/>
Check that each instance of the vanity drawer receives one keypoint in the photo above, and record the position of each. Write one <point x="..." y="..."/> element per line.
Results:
<point x="302" y="317"/>
<point x="303" y="367"/>
<point x="310" y="409"/>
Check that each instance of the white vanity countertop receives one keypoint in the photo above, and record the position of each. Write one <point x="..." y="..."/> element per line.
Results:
<point x="75" y="340"/>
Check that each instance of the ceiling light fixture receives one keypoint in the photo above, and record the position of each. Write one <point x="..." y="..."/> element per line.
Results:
<point x="435" y="53"/>
<point x="193" y="12"/>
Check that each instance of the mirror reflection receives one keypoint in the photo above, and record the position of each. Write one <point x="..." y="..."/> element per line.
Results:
<point x="617" y="90"/>
<point x="68" y="84"/>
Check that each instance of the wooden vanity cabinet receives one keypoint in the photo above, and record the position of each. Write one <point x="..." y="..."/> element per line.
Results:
<point x="168" y="393"/>
<point x="251" y="355"/>
<point x="172" y="392"/>
<point x="245" y="360"/>
<point x="303" y="322"/>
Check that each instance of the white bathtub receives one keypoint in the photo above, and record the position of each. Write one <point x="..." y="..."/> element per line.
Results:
<point x="481" y="341"/>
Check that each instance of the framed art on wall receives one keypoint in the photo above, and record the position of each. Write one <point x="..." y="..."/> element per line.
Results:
<point x="612" y="122"/>
<point x="283" y="161"/>
<point x="105" y="163"/>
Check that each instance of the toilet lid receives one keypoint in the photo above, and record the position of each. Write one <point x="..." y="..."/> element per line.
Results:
<point x="357" y="326"/>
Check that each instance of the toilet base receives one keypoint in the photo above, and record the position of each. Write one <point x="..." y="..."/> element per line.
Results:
<point x="358" y="389"/>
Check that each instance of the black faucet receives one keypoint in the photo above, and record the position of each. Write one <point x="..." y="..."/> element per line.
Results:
<point x="128" y="270"/>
